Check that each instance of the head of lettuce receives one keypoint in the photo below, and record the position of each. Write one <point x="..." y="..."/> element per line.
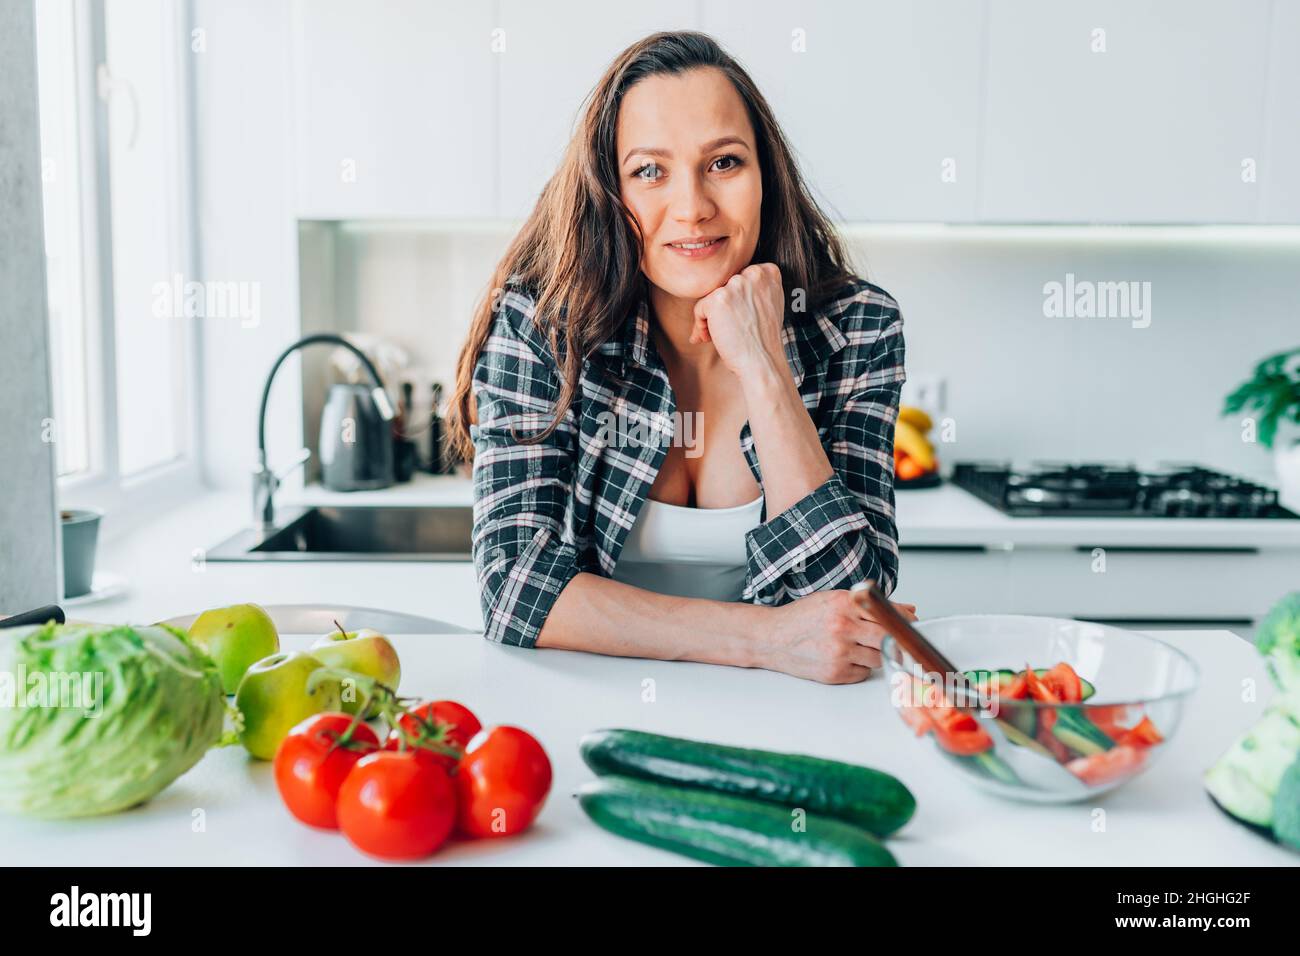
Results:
<point x="98" y="718"/>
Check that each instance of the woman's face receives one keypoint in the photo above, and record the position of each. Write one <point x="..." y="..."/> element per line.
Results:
<point x="689" y="173"/>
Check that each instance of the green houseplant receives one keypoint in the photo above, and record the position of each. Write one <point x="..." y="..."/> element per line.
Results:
<point x="1272" y="396"/>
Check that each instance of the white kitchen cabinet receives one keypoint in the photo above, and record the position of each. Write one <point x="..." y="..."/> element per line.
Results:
<point x="1115" y="111"/>
<point x="394" y="109"/>
<point x="1188" y="584"/>
<point x="1279" y="172"/>
<point x="942" y="580"/>
<point x="879" y="99"/>
<point x="549" y="64"/>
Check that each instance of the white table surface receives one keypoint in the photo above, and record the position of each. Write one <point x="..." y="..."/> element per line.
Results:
<point x="1163" y="817"/>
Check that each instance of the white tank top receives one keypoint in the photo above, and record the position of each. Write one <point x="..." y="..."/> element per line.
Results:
<point x="688" y="552"/>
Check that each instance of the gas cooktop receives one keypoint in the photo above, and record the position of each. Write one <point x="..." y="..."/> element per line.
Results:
<point x="1116" y="490"/>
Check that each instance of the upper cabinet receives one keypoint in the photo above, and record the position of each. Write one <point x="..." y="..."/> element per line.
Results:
<point x="1114" y="111"/>
<point x="1280" y="169"/>
<point x="934" y="110"/>
<point x="549" y="63"/>
<point x="395" y="109"/>
<point x="878" y="98"/>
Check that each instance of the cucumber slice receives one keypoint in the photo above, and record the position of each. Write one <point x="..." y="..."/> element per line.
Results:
<point x="1079" y="733"/>
<point x="725" y="830"/>
<point x="989" y="765"/>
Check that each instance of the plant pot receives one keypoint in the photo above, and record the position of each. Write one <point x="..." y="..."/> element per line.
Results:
<point x="80" y="535"/>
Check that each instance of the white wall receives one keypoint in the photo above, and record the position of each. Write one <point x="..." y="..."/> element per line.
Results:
<point x="247" y="231"/>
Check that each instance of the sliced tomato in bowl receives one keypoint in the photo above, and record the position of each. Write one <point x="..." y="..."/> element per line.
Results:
<point x="1117" y="763"/>
<point x="1144" y="734"/>
<point x="1064" y="683"/>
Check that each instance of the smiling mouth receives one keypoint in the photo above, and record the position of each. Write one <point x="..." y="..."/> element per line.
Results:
<point x="695" y="244"/>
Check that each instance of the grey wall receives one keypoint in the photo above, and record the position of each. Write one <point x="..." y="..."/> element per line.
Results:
<point x="28" y="517"/>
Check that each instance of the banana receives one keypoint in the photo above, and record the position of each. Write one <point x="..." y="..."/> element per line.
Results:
<point x="915" y="417"/>
<point x="915" y="444"/>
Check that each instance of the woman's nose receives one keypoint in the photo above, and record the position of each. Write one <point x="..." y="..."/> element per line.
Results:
<point x="691" y="201"/>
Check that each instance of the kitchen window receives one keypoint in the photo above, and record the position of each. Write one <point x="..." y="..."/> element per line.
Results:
<point x="113" y="82"/>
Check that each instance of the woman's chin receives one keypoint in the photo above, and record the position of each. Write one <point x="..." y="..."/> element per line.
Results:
<point x="693" y="281"/>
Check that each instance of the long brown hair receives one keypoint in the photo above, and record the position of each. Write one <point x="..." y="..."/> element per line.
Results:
<point x="582" y="298"/>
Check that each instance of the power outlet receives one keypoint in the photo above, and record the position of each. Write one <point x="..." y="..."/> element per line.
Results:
<point x="928" y="392"/>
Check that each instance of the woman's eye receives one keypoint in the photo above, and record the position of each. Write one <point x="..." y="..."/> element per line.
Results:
<point x="731" y="163"/>
<point x="644" y="171"/>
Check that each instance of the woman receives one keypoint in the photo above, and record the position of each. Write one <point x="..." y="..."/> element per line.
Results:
<point x="678" y="400"/>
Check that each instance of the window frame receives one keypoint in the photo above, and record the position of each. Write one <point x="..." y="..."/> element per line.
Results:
<point x="126" y="499"/>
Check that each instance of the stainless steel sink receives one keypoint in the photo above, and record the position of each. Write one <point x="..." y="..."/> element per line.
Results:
<point x="333" y="533"/>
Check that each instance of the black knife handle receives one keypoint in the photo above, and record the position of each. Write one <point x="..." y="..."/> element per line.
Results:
<point x="36" y="616"/>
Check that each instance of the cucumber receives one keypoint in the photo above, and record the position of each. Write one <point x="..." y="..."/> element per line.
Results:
<point x="871" y="799"/>
<point x="1079" y="733"/>
<point x="725" y="830"/>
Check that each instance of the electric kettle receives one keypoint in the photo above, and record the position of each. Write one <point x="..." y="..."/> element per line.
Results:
<point x="356" y="441"/>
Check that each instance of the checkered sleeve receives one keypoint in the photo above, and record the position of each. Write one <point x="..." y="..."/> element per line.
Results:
<point x="521" y="491"/>
<point x="842" y="532"/>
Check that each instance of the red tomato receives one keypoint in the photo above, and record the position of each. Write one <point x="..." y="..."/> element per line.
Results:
<point x="1064" y="683"/>
<point x="1015" y="689"/>
<point x="958" y="732"/>
<point x="396" y="806"/>
<point x="501" y="783"/>
<point x="458" y="722"/>
<point x="1117" y="763"/>
<point x="1143" y="735"/>
<point x="1039" y="691"/>
<point x="1110" y="718"/>
<point x="311" y="765"/>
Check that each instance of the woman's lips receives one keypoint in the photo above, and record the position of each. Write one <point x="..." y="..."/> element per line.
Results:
<point x="697" y="248"/>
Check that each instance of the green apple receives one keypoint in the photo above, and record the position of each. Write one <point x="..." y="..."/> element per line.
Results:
<point x="235" y="637"/>
<point x="365" y="651"/>
<point x="274" y="697"/>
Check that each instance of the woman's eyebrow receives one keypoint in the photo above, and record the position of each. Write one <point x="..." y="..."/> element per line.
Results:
<point x="708" y="147"/>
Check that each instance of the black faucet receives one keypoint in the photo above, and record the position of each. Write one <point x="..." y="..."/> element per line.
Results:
<point x="265" y="481"/>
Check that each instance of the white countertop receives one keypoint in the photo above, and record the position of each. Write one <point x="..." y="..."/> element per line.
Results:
<point x="161" y="561"/>
<point x="1163" y="817"/>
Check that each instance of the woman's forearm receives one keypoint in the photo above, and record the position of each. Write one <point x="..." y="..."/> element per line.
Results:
<point x="604" y="616"/>
<point x="790" y="453"/>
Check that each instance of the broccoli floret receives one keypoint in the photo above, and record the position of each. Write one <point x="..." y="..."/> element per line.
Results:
<point x="1278" y="640"/>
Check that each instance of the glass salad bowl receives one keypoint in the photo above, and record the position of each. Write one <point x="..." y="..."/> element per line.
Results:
<point x="1053" y="710"/>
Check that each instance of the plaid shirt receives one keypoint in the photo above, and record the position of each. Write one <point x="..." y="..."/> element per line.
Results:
<point x="545" y="511"/>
